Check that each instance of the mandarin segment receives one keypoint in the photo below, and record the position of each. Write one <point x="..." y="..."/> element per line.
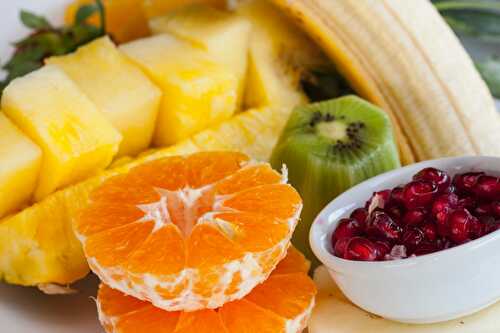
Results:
<point x="193" y="247"/>
<point x="282" y="303"/>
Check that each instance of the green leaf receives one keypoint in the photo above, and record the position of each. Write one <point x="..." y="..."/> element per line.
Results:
<point x="84" y="12"/>
<point x="490" y="71"/>
<point x="34" y="21"/>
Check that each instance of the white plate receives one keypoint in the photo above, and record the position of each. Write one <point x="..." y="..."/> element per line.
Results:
<point x="26" y="310"/>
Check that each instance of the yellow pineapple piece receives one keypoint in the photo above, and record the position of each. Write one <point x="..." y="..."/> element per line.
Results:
<point x="126" y="96"/>
<point x="75" y="138"/>
<point x="38" y="246"/>
<point x="20" y="161"/>
<point x="154" y="8"/>
<point x="279" y="54"/>
<point x="224" y="35"/>
<point x="198" y="92"/>
<point x="125" y="19"/>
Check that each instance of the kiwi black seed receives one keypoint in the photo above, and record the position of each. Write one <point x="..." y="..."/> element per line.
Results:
<point x="330" y="146"/>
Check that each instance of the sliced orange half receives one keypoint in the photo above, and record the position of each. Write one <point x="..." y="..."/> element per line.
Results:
<point x="281" y="304"/>
<point x="189" y="233"/>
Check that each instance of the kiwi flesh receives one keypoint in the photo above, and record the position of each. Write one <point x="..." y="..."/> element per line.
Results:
<point x="329" y="147"/>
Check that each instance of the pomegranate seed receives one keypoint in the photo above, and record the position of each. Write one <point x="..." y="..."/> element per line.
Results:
<point x="397" y="195"/>
<point x="487" y="187"/>
<point x="383" y="248"/>
<point x="479" y="228"/>
<point x="440" y="178"/>
<point x="444" y="203"/>
<point x="483" y="209"/>
<point x="385" y="195"/>
<point x="412" y="237"/>
<point x="430" y="231"/>
<point x="395" y="213"/>
<point x="495" y="208"/>
<point x="459" y="225"/>
<point x="340" y="247"/>
<point x="360" y="248"/>
<point x="444" y="244"/>
<point x="360" y="215"/>
<point x="415" y="216"/>
<point x="381" y="225"/>
<point x="419" y="194"/>
<point x="466" y="182"/>
<point x="347" y="228"/>
<point x="425" y="248"/>
<point x="468" y="202"/>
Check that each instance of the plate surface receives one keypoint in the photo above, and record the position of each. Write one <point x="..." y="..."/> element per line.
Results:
<point x="26" y="310"/>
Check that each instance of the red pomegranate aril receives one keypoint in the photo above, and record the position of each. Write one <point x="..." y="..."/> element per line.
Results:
<point x="382" y="225"/>
<point x="466" y="182"/>
<point x="495" y="209"/>
<point x="412" y="237"/>
<point x="430" y="231"/>
<point x="460" y="223"/>
<point x="425" y="248"/>
<point x="360" y="215"/>
<point x="395" y="212"/>
<point x="340" y="247"/>
<point x="483" y="209"/>
<point x="383" y="248"/>
<point x="419" y="194"/>
<point x="360" y="249"/>
<point x="440" y="178"/>
<point x="347" y="228"/>
<point x="486" y="187"/>
<point x="429" y="214"/>
<point x="397" y="195"/>
<point x="415" y="216"/>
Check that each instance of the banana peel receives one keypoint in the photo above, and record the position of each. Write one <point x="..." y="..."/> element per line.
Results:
<point x="402" y="56"/>
<point x="334" y="313"/>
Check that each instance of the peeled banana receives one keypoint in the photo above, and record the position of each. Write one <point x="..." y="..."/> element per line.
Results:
<point x="402" y="56"/>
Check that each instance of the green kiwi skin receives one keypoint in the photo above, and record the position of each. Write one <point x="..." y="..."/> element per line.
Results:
<point x="320" y="172"/>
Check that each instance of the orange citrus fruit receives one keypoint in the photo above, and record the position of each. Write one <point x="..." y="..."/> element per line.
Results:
<point x="188" y="233"/>
<point x="282" y="304"/>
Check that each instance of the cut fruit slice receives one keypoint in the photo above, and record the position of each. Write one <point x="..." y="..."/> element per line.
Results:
<point x="180" y="232"/>
<point x="154" y="8"/>
<point x="125" y="19"/>
<point x="198" y="92"/>
<point x="29" y="254"/>
<point x="282" y="303"/>
<point x="279" y="53"/>
<point x="329" y="147"/>
<point x="20" y="161"/>
<point x="126" y="96"/>
<point x="224" y="35"/>
<point x="76" y="139"/>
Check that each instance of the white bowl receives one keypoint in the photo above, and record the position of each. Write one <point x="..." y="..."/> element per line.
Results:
<point x="432" y="288"/>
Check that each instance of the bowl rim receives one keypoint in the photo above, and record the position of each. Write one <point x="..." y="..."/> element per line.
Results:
<point x="319" y="240"/>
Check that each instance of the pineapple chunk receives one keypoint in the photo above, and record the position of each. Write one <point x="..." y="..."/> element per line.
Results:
<point x="279" y="54"/>
<point x="197" y="91"/>
<point x="154" y="8"/>
<point x="126" y="96"/>
<point x="33" y="251"/>
<point x="75" y="138"/>
<point x="224" y="35"/>
<point x="20" y="161"/>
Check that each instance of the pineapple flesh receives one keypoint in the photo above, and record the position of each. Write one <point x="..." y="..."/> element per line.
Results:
<point x="19" y="167"/>
<point x="280" y="53"/>
<point x="224" y="35"/>
<point x="198" y="92"/>
<point x="75" y="138"/>
<point x="154" y="8"/>
<point x="30" y="256"/>
<point x="125" y="95"/>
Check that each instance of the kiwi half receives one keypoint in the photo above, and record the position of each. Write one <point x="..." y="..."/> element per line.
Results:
<point x="330" y="146"/>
